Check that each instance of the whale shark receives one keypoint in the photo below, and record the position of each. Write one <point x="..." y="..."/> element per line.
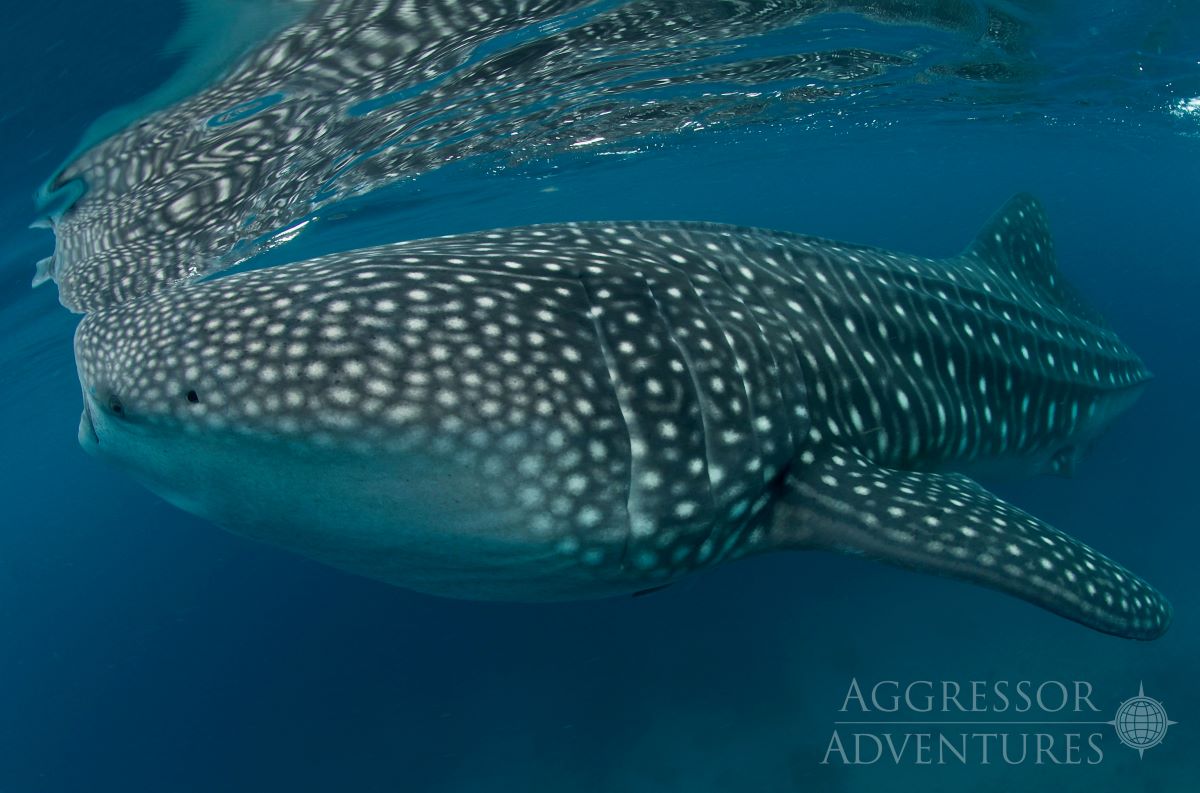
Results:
<point x="581" y="410"/>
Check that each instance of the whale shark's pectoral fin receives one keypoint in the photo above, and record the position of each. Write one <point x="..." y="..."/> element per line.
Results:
<point x="949" y="525"/>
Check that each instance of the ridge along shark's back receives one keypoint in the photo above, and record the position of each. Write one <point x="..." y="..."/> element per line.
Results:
<point x="579" y="410"/>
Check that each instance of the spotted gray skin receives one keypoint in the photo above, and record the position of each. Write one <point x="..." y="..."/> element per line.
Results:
<point x="356" y="94"/>
<point x="582" y="410"/>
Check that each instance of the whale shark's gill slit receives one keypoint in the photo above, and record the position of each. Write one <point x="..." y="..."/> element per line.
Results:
<point x="739" y="367"/>
<point x="627" y="412"/>
<point x="773" y="364"/>
<point x="690" y="365"/>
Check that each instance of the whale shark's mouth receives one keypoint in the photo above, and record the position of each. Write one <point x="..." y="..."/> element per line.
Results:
<point x="87" y="428"/>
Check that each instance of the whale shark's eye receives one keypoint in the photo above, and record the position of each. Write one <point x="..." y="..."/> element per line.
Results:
<point x="115" y="406"/>
<point x="193" y="397"/>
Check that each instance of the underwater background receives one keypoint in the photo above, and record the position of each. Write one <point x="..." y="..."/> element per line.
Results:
<point x="144" y="650"/>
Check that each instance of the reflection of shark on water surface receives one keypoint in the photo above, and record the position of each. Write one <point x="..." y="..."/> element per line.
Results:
<point x="579" y="410"/>
<point x="357" y="94"/>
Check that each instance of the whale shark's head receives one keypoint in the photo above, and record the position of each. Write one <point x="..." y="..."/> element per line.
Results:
<point x="292" y="402"/>
<point x="134" y="412"/>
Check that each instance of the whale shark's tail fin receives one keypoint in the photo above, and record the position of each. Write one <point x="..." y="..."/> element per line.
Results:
<point x="949" y="525"/>
<point x="1017" y="242"/>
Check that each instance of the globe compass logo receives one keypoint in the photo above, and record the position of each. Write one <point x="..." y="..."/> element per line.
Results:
<point x="1141" y="722"/>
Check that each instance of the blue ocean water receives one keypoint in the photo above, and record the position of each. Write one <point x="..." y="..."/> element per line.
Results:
<point x="146" y="650"/>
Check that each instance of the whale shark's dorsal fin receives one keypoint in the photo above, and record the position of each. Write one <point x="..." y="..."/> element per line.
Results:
<point x="947" y="524"/>
<point x="1017" y="242"/>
